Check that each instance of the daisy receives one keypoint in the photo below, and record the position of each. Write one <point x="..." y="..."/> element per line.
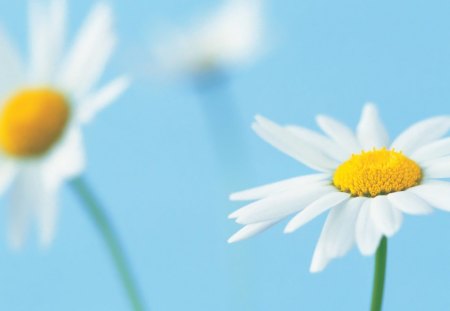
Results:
<point x="43" y="108"/>
<point x="229" y="36"/>
<point x="365" y="182"/>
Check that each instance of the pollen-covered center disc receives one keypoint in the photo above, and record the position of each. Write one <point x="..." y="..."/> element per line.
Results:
<point x="377" y="172"/>
<point x="32" y="121"/>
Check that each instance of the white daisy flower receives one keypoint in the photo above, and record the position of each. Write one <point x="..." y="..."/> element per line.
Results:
<point x="365" y="181"/>
<point x="229" y="36"/>
<point x="43" y="108"/>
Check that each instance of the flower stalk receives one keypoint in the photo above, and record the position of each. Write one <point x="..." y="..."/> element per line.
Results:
<point x="379" y="276"/>
<point x="100" y="219"/>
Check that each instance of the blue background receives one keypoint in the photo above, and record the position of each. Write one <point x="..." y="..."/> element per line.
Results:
<point x="159" y="165"/>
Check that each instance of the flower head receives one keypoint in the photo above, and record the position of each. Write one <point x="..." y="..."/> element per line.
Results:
<point x="42" y="109"/>
<point x="365" y="182"/>
<point x="229" y="36"/>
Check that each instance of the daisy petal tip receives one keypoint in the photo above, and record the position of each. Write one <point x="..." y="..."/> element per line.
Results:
<point x="320" y="118"/>
<point x="257" y="119"/>
<point x="316" y="268"/>
<point x="233" y="197"/>
<point x="233" y="215"/>
<point x="370" y="107"/>
<point x="256" y="126"/>
<point x="370" y="104"/>
<point x="262" y="121"/>
<point x="367" y="252"/>
<point x="289" y="229"/>
<point x="390" y="234"/>
<point x="125" y="81"/>
<point x="233" y="239"/>
<point x="45" y="241"/>
<point x="428" y="212"/>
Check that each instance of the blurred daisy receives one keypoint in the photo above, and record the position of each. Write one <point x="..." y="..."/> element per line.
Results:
<point x="365" y="182"/>
<point x="230" y="36"/>
<point x="43" y="108"/>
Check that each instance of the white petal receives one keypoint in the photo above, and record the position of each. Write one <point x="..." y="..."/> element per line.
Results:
<point x="337" y="235"/>
<point x="32" y="197"/>
<point x="387" y="218"/>
<point x="20" y="208"/>
<point x="233" y="34"/>
<point x="11" y="68"/>
<point x="95" y="66"/>
<point x="438" y="168"/>
<point x="429" y="181"/>
<point x="320" y="258"/>
<point x="281" y="205"/>
<point x="38" y="41"/>
<point x="251" y="230"/>
<point x="101" y="99"/>
<point x="92" y="49"/>
<point x="277" y="187"/>
<point x="340" y="133"/>
<point x="47" y="215"/>
<point x="343" y="231"/>
<point x="432" y="151"/>
<point x="435" y="194"/>
<point x="321" y="142"/>
<point x="367" y="234"/>
<point x="57" y="31"/>
<point x="47" y="31"/>
<point x="8" y="170"/>
<point x="409" y="203"/>
<point x="371" y="132"/>
<point x="315" y="209"/>
<point x="290" y="144"/>
<point x="421" y="133"/>
<point x="66" y="161"/>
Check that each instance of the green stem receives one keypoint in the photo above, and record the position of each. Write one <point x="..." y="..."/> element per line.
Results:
<point x="95" y="211"/>
<point x="379" y="276"/>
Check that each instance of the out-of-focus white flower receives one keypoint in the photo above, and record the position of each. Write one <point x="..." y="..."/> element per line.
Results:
<point x="365" y="187"/>
<point x="42" y="109"/>
<point x="230" y="36"/>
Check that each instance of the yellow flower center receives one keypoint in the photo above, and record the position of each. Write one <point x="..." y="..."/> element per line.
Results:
<point x="32" y="120"/>
<point x="377" y="172"/>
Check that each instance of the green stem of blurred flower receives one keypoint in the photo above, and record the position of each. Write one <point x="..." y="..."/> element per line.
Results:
<point x="379" y="276"/>
<point x="104" y="226"/>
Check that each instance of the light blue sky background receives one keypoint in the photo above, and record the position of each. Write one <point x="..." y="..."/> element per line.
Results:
<point x="153" y="162"/>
